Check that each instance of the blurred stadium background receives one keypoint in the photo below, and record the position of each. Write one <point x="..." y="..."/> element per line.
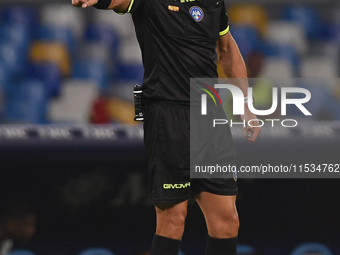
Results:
<point x="83" y="170"/>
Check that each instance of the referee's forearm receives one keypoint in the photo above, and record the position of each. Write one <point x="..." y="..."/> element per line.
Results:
<point x="232" y="63"/>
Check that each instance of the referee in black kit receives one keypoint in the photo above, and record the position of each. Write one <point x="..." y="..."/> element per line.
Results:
<point x="178" y="39"/>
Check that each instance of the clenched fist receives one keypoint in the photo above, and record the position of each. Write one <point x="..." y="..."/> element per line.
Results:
<point x="84" y="3"/>
<point x="253" y="128"/>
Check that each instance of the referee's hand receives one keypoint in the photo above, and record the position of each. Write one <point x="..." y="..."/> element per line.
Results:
<point x="250" y="132"/>
<point x="84" y="3"/>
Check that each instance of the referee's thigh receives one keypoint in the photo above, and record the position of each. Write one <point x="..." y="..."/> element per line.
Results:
<point x="220" y="214"/>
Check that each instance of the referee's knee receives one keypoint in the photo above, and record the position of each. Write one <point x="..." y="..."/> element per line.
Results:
<point x="171" y="221"/>
<point x="225" y="227"/>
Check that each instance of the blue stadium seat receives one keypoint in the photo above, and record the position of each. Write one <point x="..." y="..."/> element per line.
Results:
<point x="3" y="82"/>
<point x="12" y="57"/>
<point x="59" y="34"/>
<point x="62" y="14"/>
<point x="15" y="34"/>
<point x="122" y="24"/>
<point x="23" y="15"/>
<point x="96" y="251"/>
<point x="282" y="51"/>
<point x="283" y="32"/>
<point x="103" y="34"/>
<point x="26" y="102"/>
<point x="21" y="252"/>
<point x="312" y="248"/>
<point x="277" y="68"/>
<point x="246" y="37"/>
<point x="49" y="74"/>
<point x="92" y="70"/>
<point x="321" y="99"/>
<point x="65" y="109"/>
<point x="243" y="249"/>
<point x="96" y="51"/>
<point x="305" y="15"/>
<point x="336" y="110"/>
<point x="3" y="76"/>
<point x="130" y="72"/>
<point x="326" y="31"/>
<point x="334" y="32"/>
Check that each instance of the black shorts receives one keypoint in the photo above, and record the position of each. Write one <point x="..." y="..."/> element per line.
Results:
<point x="167" y="145"/>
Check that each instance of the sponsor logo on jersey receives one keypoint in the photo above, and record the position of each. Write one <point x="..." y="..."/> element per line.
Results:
<point x="176" y="186"/>
<point x="173" y="8"/>
<point x="197" y="13"/>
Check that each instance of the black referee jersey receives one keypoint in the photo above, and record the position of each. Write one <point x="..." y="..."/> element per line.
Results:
<point x="178" y="41"/>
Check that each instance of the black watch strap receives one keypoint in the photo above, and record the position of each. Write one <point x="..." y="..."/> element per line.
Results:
<point x="102" y="4"/>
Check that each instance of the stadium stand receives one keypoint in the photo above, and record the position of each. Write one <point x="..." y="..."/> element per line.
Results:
<point x="246" y="37"/>
<point x="243" y="249"/>
<point x="287" y="33"/>
<point x="92" y="70"/>
<point x="21" y="252"/>
<point x="22" y="15"/>
<point x="16" y="34"/>
<point x="103" y="34"/>
<point x="121" y="111"/>
<point x="74" y="103"/>
<point x="51" y="52"/>
<point x="26" y="102"/>
<point x="39" y="43"/>
<point x="96" y="51"/>
<point x="121" y="23"/>
<point x="277" y="68"/>
<point x="58" y="34"/>
<point x="12" y="57"/>
<point x="249" y="14"/>
<point x="311" y="248"/>
<point x="283" y="51"/>
<point x="96" y="251"/>
<point x="64" y="15"/>
<point x="306" y="16"/>
<point x="49" y="74"/>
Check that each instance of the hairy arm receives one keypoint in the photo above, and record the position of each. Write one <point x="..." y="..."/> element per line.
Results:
<point x="233" y="66"/>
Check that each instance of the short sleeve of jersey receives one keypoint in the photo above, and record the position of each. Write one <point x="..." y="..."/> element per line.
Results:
<point x="224" y="22"/>
<point x="133" y="6"/>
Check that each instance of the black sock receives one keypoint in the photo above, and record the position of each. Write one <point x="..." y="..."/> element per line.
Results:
<point x="217" y="246"/>
<point x="165" y="246"/>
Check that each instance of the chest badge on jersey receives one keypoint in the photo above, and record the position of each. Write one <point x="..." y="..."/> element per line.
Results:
<point x="197" y="13"/>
